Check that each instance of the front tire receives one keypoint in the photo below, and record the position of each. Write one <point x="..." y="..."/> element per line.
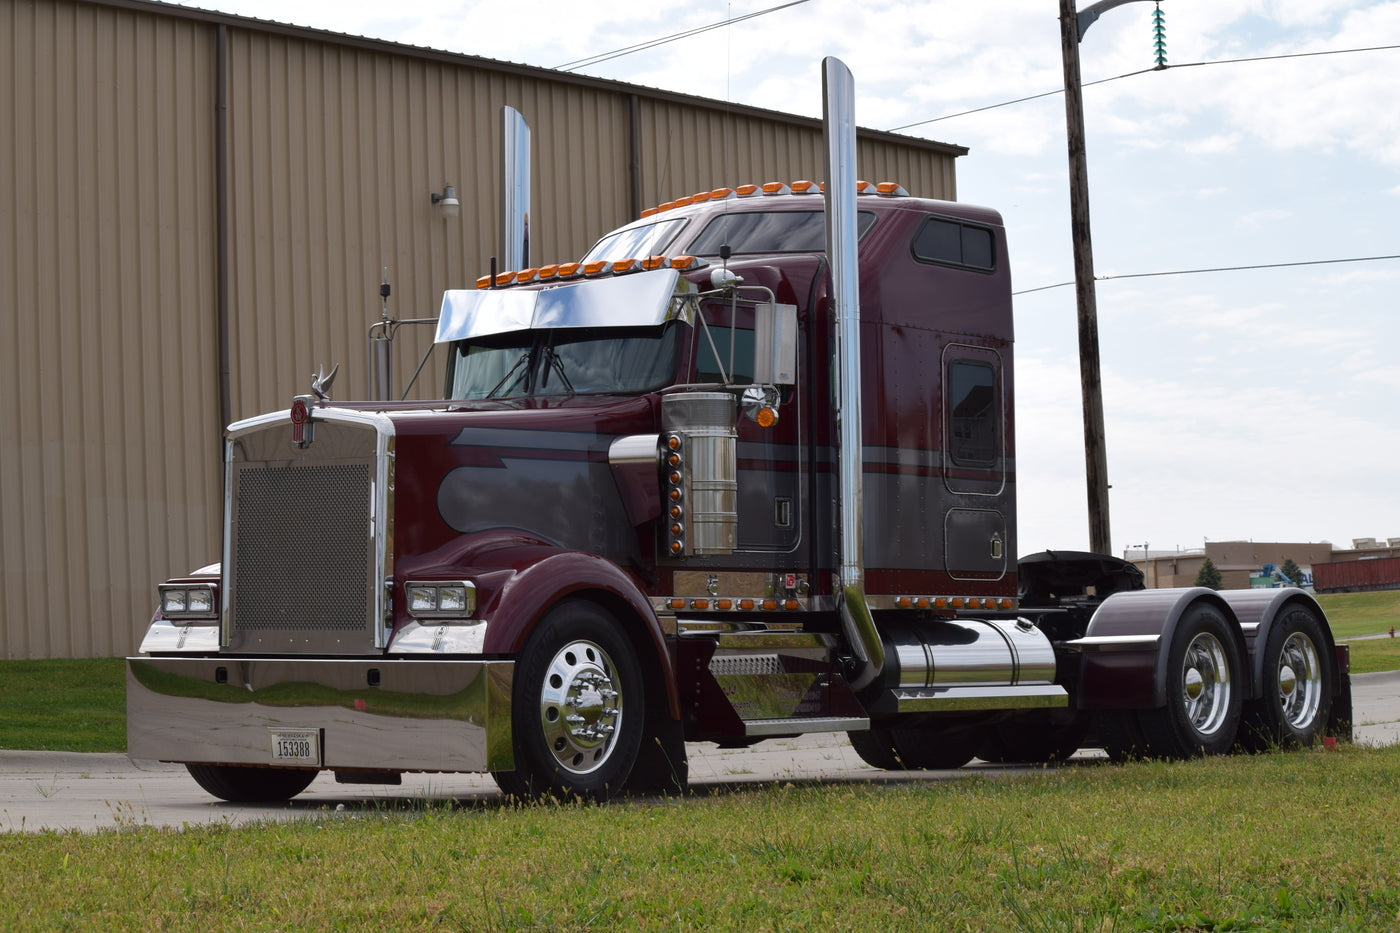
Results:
<point x="1297" y="685"/>
<point x="239" y="784"/>
<point x="1204" y="689"/>
<point x="578" y="707"/>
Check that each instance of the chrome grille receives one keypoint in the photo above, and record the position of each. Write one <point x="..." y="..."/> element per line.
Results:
<point x="302" y="547"/>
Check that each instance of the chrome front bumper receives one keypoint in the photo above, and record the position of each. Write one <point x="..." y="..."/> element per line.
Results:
<point x="370" y="714"/>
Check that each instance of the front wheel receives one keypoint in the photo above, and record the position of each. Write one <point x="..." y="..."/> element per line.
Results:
<point x="1297" y="686"/>
<point x="1204" y="696"/>
<point x="577" y="707"/>
<point x="240" y="784"/>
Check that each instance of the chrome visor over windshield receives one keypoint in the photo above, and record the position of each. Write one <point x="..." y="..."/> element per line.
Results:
<point x="640" y="299"/>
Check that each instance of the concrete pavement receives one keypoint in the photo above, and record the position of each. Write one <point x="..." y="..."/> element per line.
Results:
<point x="85" y="792"/>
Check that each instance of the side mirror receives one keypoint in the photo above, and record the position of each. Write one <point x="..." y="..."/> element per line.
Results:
<point x="775" y="344"/>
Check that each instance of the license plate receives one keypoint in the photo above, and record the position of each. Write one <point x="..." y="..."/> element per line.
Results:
<point x="301" y="747"/>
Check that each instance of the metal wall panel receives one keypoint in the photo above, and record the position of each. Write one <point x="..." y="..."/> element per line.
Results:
<point x="107" y="464"/>
<point x="110" y="328"/>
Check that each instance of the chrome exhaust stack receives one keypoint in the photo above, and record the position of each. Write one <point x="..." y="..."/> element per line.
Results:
<point x="515" y="190"/>
<point x="839" y="129"/>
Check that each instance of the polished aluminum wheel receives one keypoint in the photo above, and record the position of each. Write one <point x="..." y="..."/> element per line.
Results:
<point x="1300" y="684"/>
<point x="581" y="706"/>
<point x="1205" y="684"/>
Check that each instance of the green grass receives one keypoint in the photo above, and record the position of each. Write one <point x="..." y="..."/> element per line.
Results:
<point x="1281" y="842"/>
<point x="1354" y="614"/>
<point x="71" y="705"/>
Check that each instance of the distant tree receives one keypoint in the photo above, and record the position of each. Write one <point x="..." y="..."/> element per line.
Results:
<point x="1209" y="575"/>
<point x="1291" y="572"/>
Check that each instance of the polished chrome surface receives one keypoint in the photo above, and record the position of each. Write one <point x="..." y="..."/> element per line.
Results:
<point x="581" y="707"/>
<point x="1205" y="684"/>
<point x="417" y="715"/>
<point x="709" y="467"/>
<point x="971" y="652"/>
<point x="943" y="699"/>
<point x="839" y="127"/>
<point x="745" y="665"/>
<point x="163" y="637"/>
<point x="775" y="343"/>
<point x="635" y="449"/>
<point x="1299" y="681"/>
<point x="466" y="637"/>
<point x="642" y="299"/>
<point x="308" y="534"/>
<point x="1092" y="644"/>
<point x="515" y="190"/>
<point x="800" y="725"/>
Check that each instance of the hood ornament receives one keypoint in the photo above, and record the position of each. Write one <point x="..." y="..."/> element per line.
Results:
<point x="321" y="382"/>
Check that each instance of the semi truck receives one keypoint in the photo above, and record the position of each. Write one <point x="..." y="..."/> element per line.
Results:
<point x="744" y="471"/>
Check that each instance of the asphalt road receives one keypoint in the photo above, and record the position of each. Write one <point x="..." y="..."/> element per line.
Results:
<point x="69" y="791"/>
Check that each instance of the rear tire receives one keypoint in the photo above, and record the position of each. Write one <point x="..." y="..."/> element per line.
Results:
<point x="1296" y="686"/>
<point x="1034" y="742"/>
<point x="1204" y="689"/>
<point x="578" y="706"/>
<point x="239" y="784"/>
<point x="916" y="749"/>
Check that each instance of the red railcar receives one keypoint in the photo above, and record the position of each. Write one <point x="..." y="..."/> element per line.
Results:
<point x="1356" y="576"/>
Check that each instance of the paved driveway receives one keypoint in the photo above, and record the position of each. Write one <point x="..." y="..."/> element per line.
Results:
<point x="64" y="790"/>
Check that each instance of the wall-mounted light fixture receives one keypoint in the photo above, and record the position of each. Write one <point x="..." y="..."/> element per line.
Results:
<point x="447" y="201"/>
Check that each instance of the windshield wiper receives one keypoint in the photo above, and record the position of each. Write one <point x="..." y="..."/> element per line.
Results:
<point x="524" y="358"/>
<point x="557" y="364"/>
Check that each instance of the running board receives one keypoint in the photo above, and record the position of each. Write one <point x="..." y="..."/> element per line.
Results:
<point x="950" y="699"/>
<point x="802" y="724"/>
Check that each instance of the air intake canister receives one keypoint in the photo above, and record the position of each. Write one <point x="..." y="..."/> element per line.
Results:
<point x="699" y="469"/>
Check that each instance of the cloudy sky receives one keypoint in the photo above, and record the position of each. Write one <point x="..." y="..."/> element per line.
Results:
<point x="1260" y="404"/>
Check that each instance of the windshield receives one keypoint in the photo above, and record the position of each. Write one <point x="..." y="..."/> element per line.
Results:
<point x="637" y="242"/>
<point x="563" y="361"/>
<point x="768" y="232"/>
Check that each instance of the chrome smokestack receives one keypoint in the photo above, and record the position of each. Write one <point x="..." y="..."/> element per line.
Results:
<point x="838" y="121"/>
<point x="515" y="204"/>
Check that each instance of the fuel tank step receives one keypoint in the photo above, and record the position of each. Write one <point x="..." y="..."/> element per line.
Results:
<point x="799" y="724"/>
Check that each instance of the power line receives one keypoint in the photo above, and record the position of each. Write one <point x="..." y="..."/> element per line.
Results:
<point x="1267" y="265"/>
<point x="1132" y="74"/>
<point x="675" y="37"/>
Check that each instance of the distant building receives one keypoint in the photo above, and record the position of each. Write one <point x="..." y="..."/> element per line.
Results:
<point x="1239" y="561"/>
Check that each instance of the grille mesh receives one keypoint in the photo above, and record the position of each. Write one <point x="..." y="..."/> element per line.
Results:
<point x="301" y="548"/>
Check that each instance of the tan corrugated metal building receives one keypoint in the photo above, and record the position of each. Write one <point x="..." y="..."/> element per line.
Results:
<point x="195" y="213"/>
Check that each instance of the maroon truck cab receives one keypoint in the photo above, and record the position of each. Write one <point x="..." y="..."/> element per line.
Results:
<point x="688" y="490"/>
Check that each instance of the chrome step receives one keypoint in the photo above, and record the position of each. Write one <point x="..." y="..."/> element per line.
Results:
<point x="801" y="724"/>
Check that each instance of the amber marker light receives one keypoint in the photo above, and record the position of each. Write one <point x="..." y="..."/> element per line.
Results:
<point x="746" y="604"/>
<point x="724" y="604"/>
<point x="596" y="267"/>
<point x="766" y="417"/>
<point x="654" y="262"/>
<point x="568" y="269"/>
<point x="505" y="278"/>
<point x="624" y="265"/>
<point x="790" y="604"/>
<point x="549" y="272"/>
<point x="804" y="187"/>
<point x="700" y="604"/>
<point x="675" y="547"/>
<point x="745" y="191"/>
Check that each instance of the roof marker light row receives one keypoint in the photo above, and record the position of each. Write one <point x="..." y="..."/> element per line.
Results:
<point x="565" y="271"/>
<point x="885" y="188"/>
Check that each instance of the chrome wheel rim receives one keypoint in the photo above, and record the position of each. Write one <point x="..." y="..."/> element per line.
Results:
<point x="580" y="707"/>
<point x="1205" y="684"/>
<point x="1299" y="681"/>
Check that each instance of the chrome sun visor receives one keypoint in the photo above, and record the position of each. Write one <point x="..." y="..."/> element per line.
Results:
<point x="641" y="299"/>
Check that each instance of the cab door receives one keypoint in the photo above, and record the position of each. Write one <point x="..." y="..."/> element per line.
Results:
<point x="975" y="463"/>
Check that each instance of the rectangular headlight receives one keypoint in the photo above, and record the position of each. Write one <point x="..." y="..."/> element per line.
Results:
<point x="179" y="601"/>
<point x="455" y="600"/>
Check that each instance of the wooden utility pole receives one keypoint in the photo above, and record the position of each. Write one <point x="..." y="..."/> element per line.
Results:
<point x="1095" y="454"/>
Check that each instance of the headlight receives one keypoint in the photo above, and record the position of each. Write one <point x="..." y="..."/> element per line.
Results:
<point x="184" y="601"/>
<point x="456" y="600"/>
